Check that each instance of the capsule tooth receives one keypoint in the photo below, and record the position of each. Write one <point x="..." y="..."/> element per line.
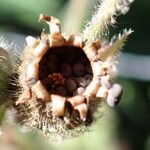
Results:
<point x="56" y="40"/>
<point x="41" y="49"/>
<point x="58" y="105"/>
<point x="82" y="109"/>
<point x="39" y="90"/>
<point x="98" y="69"/>
<point x="33" y="70"/>
<point x="53" y="22"/>
<point x="102" y="92"/>
<point x="76" y="100"/>
<point x="31" y="41"/>
<point x="92" y="89"/>
<point x="70" y="85"/>
<point x="91" y="50"/>
<point x="75" y="40"/>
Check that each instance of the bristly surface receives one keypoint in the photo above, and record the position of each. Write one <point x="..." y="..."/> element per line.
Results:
<point x="62" y="82"/>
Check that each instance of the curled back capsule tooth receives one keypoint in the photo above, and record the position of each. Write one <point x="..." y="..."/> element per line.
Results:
<point x="116" y="91"/>
<point x="54" y="28"/>
<point x="31" y="41"/>
<point x="32" y="70"/>
<point x="112" y="101"/>
<point x="91" y="50"/>
<point x="41" y="49"/>
<point x="82" y="109"/>
<point x="58" y="105"/>
<point x="75" y="40"/>
<point x="76" y="100"/>
<point x="39" y="90"/>
<point x="54" y="23"/>
<point x="56" y="40"/>
<point x="92" y="89"/>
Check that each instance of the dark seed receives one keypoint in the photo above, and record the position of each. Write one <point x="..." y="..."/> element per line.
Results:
<point x="47" y="83"/>
<point x="53" y="58"/>
<point x="61" y="90"/>
<point x="81" y="81"/>
<point x="66" y="69"/>
<point x="78" y="69"/>
<point x="88" y="68"/>
<point x="88" y="77"/>
<point x="70" y="85"/>
<point x="52" y="67"/>
<point x="43" y="72"/>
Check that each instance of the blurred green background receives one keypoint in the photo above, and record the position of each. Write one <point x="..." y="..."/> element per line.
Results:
<point x="127" y="127"/>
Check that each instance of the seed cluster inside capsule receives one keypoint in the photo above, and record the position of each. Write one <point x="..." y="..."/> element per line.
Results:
<point x="66" y="73"/>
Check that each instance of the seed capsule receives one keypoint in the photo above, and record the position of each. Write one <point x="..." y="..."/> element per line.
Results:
<point x="41" y="92"/>
<point x="70" y="85"/>
<point x="66" y="69"/>
<point x="58" y="105"/>
<point x="82" y="108"/>
<point x="78" y="69"/>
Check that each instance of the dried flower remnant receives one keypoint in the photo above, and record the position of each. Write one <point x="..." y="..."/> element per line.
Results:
<point x="64" y="80"/>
